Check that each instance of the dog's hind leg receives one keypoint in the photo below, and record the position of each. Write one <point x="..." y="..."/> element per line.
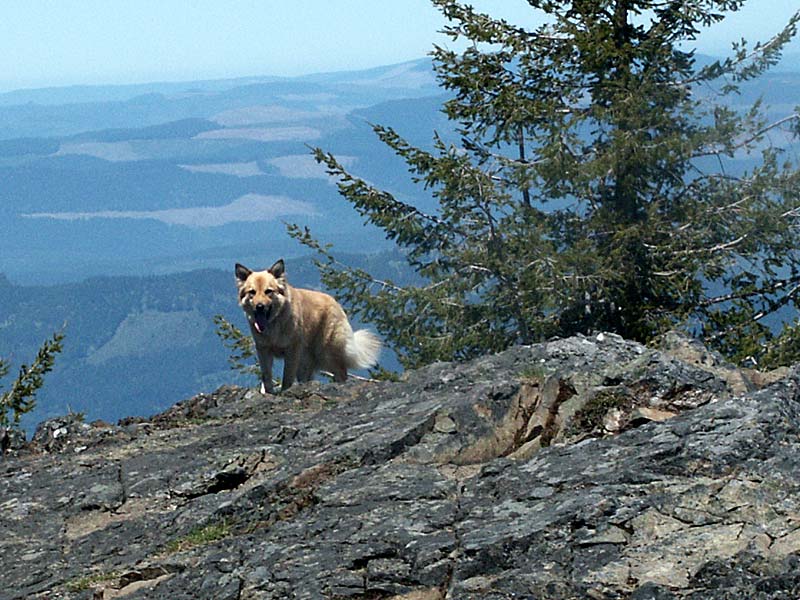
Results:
<point x="291" y="362"/>
<point x="339" y="370"/>
<point x="305" y="372"/>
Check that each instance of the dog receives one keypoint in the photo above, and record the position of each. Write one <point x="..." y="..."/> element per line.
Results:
<point x="308" y="329"/>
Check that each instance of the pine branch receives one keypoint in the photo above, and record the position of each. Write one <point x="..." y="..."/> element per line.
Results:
<point x="21" y="398"/>
<point x="242" y="356"/>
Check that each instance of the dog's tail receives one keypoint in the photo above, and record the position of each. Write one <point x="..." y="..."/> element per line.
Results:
<point x="362" y="349"/>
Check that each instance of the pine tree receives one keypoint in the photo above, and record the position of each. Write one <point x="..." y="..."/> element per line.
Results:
<point x="21" y="397"/>
<point x="594" y="187"/>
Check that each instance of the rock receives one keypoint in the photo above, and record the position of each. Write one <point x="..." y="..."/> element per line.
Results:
<point x="689" y="350"/>
<point x="644" y="414"/>
<point x="60" y="433"/>
<point x="12" y="441"/>
<point x="589" y="467"/>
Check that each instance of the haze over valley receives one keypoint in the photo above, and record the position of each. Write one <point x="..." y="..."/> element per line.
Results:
<point x="152" y="179"/>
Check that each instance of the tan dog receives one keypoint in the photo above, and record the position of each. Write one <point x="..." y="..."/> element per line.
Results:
<point x="308" y="329"/>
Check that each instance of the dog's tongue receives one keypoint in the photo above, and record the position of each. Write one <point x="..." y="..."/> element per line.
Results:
<point x="260" y="321"/>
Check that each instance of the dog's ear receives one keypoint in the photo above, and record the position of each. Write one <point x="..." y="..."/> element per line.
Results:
<point x="242" y="273"/>
<point x="278" y="269"/>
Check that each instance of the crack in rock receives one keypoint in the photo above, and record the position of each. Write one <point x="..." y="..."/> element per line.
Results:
<point x="233" y="475"/>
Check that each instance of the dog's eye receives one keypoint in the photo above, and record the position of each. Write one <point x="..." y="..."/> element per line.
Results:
<point x="270" y="292"/>
<point x="251" y="293"/>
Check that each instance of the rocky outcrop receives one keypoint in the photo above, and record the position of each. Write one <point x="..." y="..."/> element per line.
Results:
<point x="589" y="467"/>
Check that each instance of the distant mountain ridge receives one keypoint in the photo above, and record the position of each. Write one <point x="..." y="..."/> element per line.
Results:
<point x="398" y="74"/>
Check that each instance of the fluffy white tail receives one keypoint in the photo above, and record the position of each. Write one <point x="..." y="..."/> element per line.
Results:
<point x="363" y="350"/>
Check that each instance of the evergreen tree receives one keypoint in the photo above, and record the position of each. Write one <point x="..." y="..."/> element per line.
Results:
<point x="594" y="187"/>
<point x="21" y="398"/>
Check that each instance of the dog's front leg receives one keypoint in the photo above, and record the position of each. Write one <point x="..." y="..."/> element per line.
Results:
<point x="290" y="364"/>
<point x="265" y="362"/>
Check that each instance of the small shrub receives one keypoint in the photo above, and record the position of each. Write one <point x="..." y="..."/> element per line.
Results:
<point x="589" y="418"/>
<point x="242" y="349"/>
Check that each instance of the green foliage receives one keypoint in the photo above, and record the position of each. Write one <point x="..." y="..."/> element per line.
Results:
<point x="21" y="398"/>
<point x="202" y="535"/>
<point x="242" y="356"/>
<point x="598" y="184"/>
<point x="81" y="584"/>
<point x="783" y="350"/>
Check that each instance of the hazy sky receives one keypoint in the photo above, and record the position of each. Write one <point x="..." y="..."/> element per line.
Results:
<point x="63" y="42"/>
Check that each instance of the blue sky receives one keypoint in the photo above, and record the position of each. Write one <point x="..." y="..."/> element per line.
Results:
<point x="65" y="42"/>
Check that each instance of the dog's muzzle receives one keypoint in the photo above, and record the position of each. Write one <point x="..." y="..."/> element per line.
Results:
<point x="261" y="317"/>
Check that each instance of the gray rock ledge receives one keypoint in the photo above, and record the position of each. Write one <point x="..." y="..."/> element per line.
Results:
<point x="589" y="467"/>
